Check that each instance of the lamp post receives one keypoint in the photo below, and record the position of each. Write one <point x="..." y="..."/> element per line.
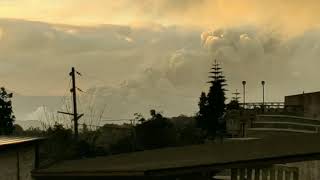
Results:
<point x="244" y="93"/>
<point x="263" y="83"/>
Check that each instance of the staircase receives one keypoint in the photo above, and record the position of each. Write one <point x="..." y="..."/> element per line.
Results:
<point x="272" y="125"/>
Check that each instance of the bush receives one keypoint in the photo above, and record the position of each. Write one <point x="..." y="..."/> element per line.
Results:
<point x="156" y="133"/>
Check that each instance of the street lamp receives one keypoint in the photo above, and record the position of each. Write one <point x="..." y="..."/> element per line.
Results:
<point x="244" y="93"/>
<point x="263" y="83"/>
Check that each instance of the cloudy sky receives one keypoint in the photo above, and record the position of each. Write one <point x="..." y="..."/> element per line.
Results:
<point x="142" y="54"/>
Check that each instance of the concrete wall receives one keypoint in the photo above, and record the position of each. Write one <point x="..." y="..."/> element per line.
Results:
<point x="308" y="170"/>
<point x="19" y="160"/>
<point x="235" y="120"/>
<point x="309" y="103"/>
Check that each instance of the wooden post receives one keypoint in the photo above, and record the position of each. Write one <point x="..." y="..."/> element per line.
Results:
<point x="36" y="156"/>
<point x="74" y="98"/>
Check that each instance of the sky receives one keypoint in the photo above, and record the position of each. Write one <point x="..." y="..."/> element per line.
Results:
<point x="142" y="54"/>
<point x="292" y="16"/>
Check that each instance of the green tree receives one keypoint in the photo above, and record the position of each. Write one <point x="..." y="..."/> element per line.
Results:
<point x="6" y="114"/>
<point x="233" y="105"/>
<point x="212" y="106"/>
<point x="201" y="116"/>
<point x="156" y="132"/>
<point x="17" y="130"/>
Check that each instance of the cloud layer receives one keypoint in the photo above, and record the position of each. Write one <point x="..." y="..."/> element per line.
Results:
<point x="294" y="16"/>
<point x="129" y="69"/>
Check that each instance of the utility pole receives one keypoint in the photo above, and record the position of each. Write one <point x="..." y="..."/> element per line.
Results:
<point x="73" y="90"/>
<point x="74" y="99"/>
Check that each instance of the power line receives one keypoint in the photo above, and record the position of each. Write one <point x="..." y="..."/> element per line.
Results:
<point x="63" y="98"/>
<point x="95" y="78"/>
<point x="116" y="119"/>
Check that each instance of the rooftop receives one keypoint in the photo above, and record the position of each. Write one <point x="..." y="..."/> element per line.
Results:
<point x="10" y="141"/>
<point x="310" y="93"/>
<point x="215" y="155"/>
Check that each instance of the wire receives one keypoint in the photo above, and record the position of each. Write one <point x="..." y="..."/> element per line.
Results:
<point x="95" y="78"/>
<point x="62" y="100"/>
<point x="81" y="109"/>
<point x="86" y="92"/>
<point x="116" y="119"/>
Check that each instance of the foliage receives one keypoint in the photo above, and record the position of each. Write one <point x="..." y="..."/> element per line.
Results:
<point x="17" y="130"/>
<point x="233" y="105"/>
<point x="139" y="118"/>
<point x="202" y="115"/>
<point x="157" y="132"/>
<point x="189" y="135"/>
<point x="186" y="130"/>
<point x="60" y="142"/>
<point x="124" y="145"/>
<point x="212" y="106"/>
<point x="6" y="114"/>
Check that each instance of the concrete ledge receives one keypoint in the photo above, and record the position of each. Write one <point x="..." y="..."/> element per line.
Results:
<point x="286" y="125"/>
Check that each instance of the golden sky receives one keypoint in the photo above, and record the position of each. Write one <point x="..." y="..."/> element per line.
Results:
<point x="243" y="34"/>
<point x="290" y="15"/>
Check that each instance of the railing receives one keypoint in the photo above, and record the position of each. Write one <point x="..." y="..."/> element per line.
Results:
<point x="275" y="172"/>
<point x="266" y="105"/>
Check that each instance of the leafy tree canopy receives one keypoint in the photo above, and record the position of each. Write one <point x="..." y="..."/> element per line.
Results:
<point x="6" y="114"/>
<point x="233" y="105"/>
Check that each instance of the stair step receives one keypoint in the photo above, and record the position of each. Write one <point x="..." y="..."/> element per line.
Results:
<point x="281" y="130"/>
<point x="285" y="125"/>
<point x="286" y="118"/>
<point x="274" y="132"/>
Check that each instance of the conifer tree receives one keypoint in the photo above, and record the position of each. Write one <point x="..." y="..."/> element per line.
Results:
<point x="212" y="106"/>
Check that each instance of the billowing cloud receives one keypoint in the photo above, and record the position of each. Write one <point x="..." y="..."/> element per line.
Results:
<point x="128" y="69"/>
<point x="37" y="51"/>
<point x="245" y="53"/>
<point x="140" y="63"/>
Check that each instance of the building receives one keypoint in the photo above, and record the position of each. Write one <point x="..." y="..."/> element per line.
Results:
<point x="305" y="104"/>
<point x="18" y="157"/>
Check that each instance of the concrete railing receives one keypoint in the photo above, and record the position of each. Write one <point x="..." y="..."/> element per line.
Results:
<point x="272" y="173"/>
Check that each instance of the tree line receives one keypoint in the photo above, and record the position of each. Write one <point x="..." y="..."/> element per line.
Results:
<point x="150" y="133"/>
